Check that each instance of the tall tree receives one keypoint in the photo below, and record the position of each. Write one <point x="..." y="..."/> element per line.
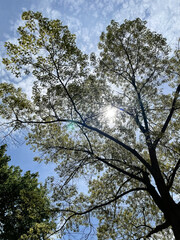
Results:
<point x="111" y="122"/>
<point x="25" y="211"/>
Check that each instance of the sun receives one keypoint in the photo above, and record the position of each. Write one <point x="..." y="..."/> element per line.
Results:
<point x="110" y="114"/>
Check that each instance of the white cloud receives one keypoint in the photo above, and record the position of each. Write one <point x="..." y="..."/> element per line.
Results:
<point x="52" y="13"/>
<point x="162" y="16"/>
<point x="26" y="85"/>
<point x="94" y="16"/>
<point x="87" y="19"/>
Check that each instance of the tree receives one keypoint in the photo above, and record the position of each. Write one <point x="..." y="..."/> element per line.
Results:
<point x="25" y="211"/>
<point x="130" y="159"/>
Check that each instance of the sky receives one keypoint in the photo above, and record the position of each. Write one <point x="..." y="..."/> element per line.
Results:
<point x="87" y="19"/>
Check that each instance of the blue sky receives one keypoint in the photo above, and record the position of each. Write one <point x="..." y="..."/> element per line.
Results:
<point x="87" y="19"/>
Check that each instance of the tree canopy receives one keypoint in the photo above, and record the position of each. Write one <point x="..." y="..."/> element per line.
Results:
<point x="25" y="211"/>
<point x="107" y="119"/>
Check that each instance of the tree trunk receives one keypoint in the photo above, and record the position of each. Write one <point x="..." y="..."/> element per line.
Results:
<point x="176" y="231"/>
<point x="169" y="207"/>
<point x="174" y="217"/>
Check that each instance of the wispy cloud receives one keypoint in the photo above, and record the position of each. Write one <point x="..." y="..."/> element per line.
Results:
<point x="162" y="16"/>
<point x="87" y="19"/>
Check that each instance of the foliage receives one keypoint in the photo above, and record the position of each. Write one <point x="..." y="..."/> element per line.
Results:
<point x="25" y="211"/>
<point x="131" y="163"/>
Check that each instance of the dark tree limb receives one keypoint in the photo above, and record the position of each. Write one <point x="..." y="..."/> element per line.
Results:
<point x="172" y="176"/>
<point x="102" y="133"/>
<point x="173" y="108"/>
<point x="74" y="213"/>
<point x="120" y="169"/>
<point x="156" y="230"/>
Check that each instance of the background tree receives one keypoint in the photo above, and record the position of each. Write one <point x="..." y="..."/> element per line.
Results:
<point x="113" y="123"/>
<point x="25" y="211"/>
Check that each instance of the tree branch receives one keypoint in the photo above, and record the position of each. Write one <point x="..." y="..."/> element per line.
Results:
<point x="102" y="133"/>
<point x="157" y="229"/>
<point x="120" y="169"/>
<point x="105" y="161"/>
<point x="173" y="108"/>
<point x="74" y="213"/>
<point x="172" y="176"/>
<point x="64" y="86"/>
<point x="89" y="143"/>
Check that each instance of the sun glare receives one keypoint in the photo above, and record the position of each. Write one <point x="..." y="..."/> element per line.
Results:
<point x="110" y="114"/>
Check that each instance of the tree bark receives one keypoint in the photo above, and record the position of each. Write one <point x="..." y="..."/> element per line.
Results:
<point x="174" y="219"/>
<point x="170" y="209"/>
